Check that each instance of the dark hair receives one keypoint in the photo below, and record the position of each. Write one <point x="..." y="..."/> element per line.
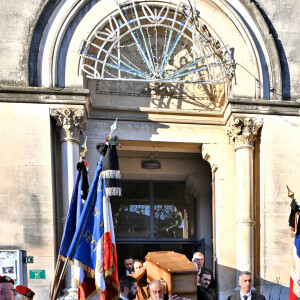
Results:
<point x="128" y="257"/>
<point x="204" y="272"/>
<point x="127" y="281"/>
<point x="245" y="273"/>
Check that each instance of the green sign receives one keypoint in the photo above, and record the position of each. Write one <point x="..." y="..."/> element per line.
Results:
<point x="28" y="259"/>
<point x="37" y="274"/>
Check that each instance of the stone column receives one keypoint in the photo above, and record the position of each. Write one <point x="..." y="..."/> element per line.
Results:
<point x="72" y="122"/>
<point x="243" y="132"/>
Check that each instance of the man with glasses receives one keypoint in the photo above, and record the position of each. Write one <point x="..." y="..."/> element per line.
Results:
<point x="7" y="291"/>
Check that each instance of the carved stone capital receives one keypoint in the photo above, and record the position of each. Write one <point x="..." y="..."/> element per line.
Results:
<point x="72" y="123"/>
<point x="243" y="131"/>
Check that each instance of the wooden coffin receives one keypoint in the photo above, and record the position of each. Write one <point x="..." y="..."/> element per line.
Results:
<point x="174" y="269"/>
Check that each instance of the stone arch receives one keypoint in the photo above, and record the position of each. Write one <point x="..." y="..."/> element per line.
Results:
<point x="54" y="59"/>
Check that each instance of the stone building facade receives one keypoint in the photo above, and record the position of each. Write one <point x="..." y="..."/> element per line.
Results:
<point x="206" y="89"/>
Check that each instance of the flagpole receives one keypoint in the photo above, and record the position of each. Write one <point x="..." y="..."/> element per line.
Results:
<point x="62" y="276"/>
<point x="63" y="272"/>
<point x="55" y="277"/>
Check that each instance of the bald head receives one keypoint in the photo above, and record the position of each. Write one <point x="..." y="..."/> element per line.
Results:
<point x="156" y="288"/>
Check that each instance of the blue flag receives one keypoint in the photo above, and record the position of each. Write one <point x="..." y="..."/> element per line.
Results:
<point x="93" y="248"/>
<point x="90" y="229"/>
<point x="79" y="191"/>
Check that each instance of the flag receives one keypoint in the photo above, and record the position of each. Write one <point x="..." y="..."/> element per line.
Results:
<point x="294" y="292"/>
<point x="80" y="189"/>
<point x="80" y="192"/>
<point x="93" y="246"/>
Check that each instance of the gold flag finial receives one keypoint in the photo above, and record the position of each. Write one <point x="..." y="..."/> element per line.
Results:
<point x="290" y="193"/>
<point x="83" y="148"/>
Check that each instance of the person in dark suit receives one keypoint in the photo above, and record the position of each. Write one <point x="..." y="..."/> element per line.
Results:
<point x="203" y="291"/>
<point x="127" y="268"/>
<point x="245" y="282"/>
<point x="128" y="288"/>
<point x="198" y="261"/>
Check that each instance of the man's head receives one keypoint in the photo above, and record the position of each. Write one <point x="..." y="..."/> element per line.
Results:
<point x="245" y="281"/>
<point x="128" y="263"/>
<point x="198" y="258"/>
<point x="156" y="288"/>
<point x="128" y="287"/>
<point x="205" y="279"/>
<point x="7" y="291"/>
<point x="137" y="264"/>
<point x="23" y="293"/>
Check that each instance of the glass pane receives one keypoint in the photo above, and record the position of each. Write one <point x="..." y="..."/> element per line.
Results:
<point x="173" y="211"/>
<point x="131" y="212"/>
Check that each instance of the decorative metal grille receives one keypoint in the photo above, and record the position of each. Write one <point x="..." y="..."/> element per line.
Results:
<point x="154" y="41"/>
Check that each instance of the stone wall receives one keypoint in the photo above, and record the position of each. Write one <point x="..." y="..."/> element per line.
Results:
<point x="19" y="18"/>
<point x="26" y="189"/>
<point x="283" y="20"/>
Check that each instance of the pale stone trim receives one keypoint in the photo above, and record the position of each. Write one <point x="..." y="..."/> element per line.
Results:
<point x="243" y="132"/>
<point x="71" y="121"/>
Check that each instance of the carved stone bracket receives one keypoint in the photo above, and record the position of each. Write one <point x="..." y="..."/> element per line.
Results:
<point x="72" y="122"/>
<point x="243" y="131"/>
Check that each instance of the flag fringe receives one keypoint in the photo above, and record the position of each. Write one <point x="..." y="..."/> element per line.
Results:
<point x="115" y="174"/>
<point x="79" y="286"/>
<point x="110" y="271"/>
<point x="87" y="269"/>
<point x="114" y="191"/>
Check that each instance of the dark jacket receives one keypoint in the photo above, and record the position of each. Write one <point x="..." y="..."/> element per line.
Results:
<point x="254" y="296"/>
<point x="205" y="294"/>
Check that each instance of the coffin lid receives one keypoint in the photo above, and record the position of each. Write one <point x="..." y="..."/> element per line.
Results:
<point x="171" y="261"/>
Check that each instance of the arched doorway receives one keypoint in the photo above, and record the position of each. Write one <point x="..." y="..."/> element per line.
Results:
<point x="168" y="104"/>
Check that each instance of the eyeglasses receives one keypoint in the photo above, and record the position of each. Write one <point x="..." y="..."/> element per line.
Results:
<point x="6" y="291"/>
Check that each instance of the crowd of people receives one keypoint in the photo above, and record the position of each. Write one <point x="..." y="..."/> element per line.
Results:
<point x="134" y="285"/>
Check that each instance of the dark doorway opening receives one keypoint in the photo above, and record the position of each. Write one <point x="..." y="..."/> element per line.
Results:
<point x="154" y="216"/>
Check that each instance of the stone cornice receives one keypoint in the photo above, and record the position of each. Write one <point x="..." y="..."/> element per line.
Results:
<point x="264" y="107"/>
<point x="243" y="131"/>
<point x="72" y="123"/>
<point x="42" y="95"/>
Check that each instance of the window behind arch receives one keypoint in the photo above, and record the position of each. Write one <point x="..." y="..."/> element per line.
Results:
<point x="154" y="211"/>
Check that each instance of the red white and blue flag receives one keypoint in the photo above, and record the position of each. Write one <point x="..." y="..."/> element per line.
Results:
<point x="294" y="292"/>
<point x="93" y="247"/>
<point x="86" y="286"/>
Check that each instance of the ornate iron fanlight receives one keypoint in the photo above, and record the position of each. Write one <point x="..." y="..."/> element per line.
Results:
<point x="154" y="41"/>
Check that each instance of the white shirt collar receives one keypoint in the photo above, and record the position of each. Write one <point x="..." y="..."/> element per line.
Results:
<point x="248" y="295"/>
<point x="122" y="297"/>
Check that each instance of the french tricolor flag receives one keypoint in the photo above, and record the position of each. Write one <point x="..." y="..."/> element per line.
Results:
<point x="106" y="276"/>
<point x="294" y="292"/>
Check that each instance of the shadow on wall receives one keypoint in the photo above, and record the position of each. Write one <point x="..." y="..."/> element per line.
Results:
<point x="286" y="82"/>
<point x="227" y="282"/>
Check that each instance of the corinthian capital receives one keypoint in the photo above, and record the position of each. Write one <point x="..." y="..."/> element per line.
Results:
<point x="72" y="122"/>
<point x="243" y="131"/>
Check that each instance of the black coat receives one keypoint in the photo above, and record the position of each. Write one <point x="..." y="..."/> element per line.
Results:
<point x="254" y="296"/>
<point x="205" y="294"/>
